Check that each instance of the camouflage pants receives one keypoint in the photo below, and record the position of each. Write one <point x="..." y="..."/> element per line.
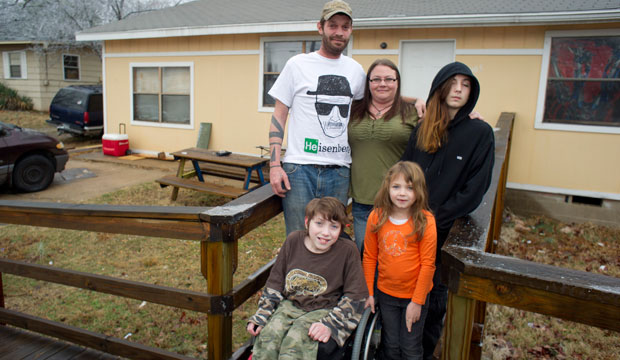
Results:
<point x="286" y="334"/>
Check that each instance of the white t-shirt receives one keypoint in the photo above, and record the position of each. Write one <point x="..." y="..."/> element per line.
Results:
<point x="319" y="92"/>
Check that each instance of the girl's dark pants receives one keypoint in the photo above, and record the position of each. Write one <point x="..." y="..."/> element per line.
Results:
<point x="396" y="341"/>
<point x="437" y="303"/>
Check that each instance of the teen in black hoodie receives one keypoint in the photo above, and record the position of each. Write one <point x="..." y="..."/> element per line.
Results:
<point x="457" y="159"/>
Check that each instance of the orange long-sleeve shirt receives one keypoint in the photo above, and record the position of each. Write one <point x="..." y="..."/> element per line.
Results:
<point x="406" y="263"/>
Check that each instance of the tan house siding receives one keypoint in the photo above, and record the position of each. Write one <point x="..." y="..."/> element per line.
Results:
<point x="507" y="61"/>
<point x="196" y="43"/>
<point x="45" y="73"/>
<point x="224" y="95"/>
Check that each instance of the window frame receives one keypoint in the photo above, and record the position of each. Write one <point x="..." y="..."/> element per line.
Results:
<point x="544" y="74"/>
<point x="64" y="67"/>
<point x="7" y="65"/>
<point x="261" y="62"/>
<point x="160" y="65"/>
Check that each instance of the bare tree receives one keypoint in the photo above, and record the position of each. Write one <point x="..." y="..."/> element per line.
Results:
<point x="59" y="20"/>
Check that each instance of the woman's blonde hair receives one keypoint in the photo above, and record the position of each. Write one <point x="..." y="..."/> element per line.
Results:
<point x="413" y="174"/>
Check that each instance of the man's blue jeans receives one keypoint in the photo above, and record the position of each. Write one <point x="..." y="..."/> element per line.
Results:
<point x="360" y="219"/>
<point x="309" y="182"/>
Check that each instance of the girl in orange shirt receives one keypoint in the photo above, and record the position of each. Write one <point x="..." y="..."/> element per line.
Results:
<point x="400" y="243"/>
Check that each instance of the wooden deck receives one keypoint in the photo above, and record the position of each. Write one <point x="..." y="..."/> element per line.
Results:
<point x="19" y="344"/>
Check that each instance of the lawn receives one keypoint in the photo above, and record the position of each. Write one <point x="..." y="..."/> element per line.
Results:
<point x="36" y="120"/>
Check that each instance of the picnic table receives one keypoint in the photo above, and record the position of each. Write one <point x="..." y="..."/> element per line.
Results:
<point x="209" y="162"/>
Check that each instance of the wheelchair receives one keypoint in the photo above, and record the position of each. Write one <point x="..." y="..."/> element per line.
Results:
<point x="364" y="344"/>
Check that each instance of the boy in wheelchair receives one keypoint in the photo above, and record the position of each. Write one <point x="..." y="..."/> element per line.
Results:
<point x="314" y="296"/>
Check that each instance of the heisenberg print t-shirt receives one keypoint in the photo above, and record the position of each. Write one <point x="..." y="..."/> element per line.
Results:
<point x="319" y="92"/>
<point x="317" y="281"/>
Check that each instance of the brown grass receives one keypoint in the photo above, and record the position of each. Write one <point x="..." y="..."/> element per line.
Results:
<point x="517" y="334"/>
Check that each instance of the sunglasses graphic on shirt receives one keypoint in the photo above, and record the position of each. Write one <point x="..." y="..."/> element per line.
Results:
<point x="326" y="109"/>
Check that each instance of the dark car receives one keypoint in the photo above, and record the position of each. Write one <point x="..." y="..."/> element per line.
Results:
<point x="78" y="110"/>
<point x="28" y="158"/>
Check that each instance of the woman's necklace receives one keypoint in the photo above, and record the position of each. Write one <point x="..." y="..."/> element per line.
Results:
<point x="379" y="111"/>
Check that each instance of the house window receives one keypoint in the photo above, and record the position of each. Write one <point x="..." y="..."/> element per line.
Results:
<point x="275" y="56"/>
<point x="71" y="67"/>
<point x="161" y="94"/>
<point x="582" y="85"/>
<point x="14" y="64"/>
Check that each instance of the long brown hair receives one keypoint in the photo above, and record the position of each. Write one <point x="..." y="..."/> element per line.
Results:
<point x="413" y="174"/>
<point x="399" y="107"/>
<point x="432" y="132"/>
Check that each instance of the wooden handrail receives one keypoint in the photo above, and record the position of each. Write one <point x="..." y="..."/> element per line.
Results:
<point x="476" y="276"/>
<point x="217" y="228"/>
<point x="161" y="221"/>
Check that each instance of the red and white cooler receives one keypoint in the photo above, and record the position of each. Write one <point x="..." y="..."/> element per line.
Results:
<point x="115" y="144"/>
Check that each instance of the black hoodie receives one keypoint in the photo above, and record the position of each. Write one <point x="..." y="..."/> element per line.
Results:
<point x="458" y="174"/>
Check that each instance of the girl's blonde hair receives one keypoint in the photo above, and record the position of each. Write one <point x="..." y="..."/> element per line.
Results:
<point x="413" y="174"/>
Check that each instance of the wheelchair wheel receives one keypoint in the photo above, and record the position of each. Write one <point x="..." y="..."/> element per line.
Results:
<point x="366" y="343"/>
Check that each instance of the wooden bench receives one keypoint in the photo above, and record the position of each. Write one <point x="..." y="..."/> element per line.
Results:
<point x="218" y="163"/>
<point x="231" y="172"/>
<point x="223" y="190"/>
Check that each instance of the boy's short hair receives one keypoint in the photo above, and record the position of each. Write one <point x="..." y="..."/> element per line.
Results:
<point x="330" y="207"/>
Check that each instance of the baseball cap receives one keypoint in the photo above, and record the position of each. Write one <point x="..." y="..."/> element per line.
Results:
<point x="336" y="7"/>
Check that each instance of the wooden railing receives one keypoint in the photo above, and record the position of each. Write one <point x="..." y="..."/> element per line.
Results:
<point x="217" y="229"/>
<point x="473" y="273"/>
<point x="476" y="276"/>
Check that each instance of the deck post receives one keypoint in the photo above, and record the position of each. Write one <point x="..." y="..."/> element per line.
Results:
<point x="1" y="292"/>
<point x="217" y="254"/>
<point x="458" y="327"/>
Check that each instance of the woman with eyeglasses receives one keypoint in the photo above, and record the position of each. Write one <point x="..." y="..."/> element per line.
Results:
<point x="379" y="128"/>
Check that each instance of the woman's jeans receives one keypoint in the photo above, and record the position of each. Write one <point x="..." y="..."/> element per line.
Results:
<point x="309" y="182"/>
<point x="360" y="219"/>
<point x="396" y="341"/>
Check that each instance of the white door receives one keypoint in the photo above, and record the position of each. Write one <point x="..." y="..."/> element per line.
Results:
<point x="419" y="63"/>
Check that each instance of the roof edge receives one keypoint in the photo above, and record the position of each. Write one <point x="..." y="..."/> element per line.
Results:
<point x="19" y="42"/>
<point x="569" y="17"/>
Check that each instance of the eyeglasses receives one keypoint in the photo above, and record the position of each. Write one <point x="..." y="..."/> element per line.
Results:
<point x="388" y="80"/>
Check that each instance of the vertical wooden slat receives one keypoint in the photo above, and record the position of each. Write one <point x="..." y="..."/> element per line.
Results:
<point x="204" y="259"/>
<point x="1" y="292"/>
<point x="477" y="331"/>
<point x="1" y="296"/>
<point x="458" y="326"/>
<point x="219" y="265"/>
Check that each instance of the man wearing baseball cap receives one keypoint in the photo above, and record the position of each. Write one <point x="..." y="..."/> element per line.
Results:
<point x="318" y="89"/>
